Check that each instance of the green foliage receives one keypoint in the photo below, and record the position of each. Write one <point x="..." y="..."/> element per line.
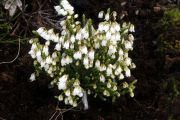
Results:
<point x="171" y="87"/>
<point x="169" y="39"/>
<point x="171" y="18"/>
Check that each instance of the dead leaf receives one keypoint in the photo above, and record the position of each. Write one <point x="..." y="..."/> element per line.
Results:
<point x="19" y="4"/>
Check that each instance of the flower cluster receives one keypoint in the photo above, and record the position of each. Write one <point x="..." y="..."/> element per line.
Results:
<point x="83" y="60"/>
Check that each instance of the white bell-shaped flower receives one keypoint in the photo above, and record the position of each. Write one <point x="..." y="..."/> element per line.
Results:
<point x="77" y="55"/>
<point x="91" y="54"/>
<point x="58" y="47"/>
<point x="32" y="77"/>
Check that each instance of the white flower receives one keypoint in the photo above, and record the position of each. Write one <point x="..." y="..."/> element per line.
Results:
<point x="86" y="61"/>
<point x="109" y="71"/>
<point x="131" y="94"/>
<point x="66" y="45"/>
<point x="108" y="35"/>
<point x="63" y="62"/>
<point x="76" y="16"/>
<point x="107" y="17"/>
<point x="50" y="31"/>
<point x="118" y="70"/>
<point x="108" y="85"/>
<point x="31" y="41"/>
<point x="63" y="32"/>
<point x="78" y="36"/>
<point x="83" y="31"/>
<point x="42" y="64"/>
<point x="131" y="37"/>
<point x="131" y="29"/>
<point x="70" y="100"/>
<point x="46" y="50"/>
<point x="74" y="104"/>
<point x="62" y="82"/>
<point x="114" y="87"/>
<point x="39" y="58"/>
<point x="112" y="29"/>
<point x="66" y="101"/>
<point x="128" y="61"/>
<point x="60" y="98"/>
<point x="58" y="47"/>
<point x="62" y="23"/>
<point x="47" y="43"/>
<point x="68" y="60"/>
<point x="86" y="35"/>
<point x="127" y="72"/>
<point x="84" y="50"/>
<point x="118" y="37"/>
<point x="72" y="39"/>
<point x="72" y="46"/>
<point x="62" y="12"/>
<point x="46" y="36"/>
<point x="117" y="27"/>
<point x="113" y="39"/>
<point x="124" y="24"/>
<point x="77" y="55"/>
<point x="91" y="54"/>
<point x="121" y="76"/>
<point x="97" y="64"/>
<point x="33" y="47"/>
<point x="32" y="77"/>
<point x="38" y="54"/>
<point x="133" y="65"/>
<point x="102" y="67"/>
<point x="102" y="78"/>
<point x="61" y="40"/>
<point x="106" y="27"/>
<point x="106" y="93"/>
<point x="67" y="7"/>
<point x="55" y="38"/>
<point x="120" y="52"/>
<point x="125" y="55"/>
<point x="77" y="22"/>
<point x="57" y="8"/>
<point x="125" y="85"/>
<point x="67" y="93"/>
<point x="40" y="30"/>
<point x="100" y="15"/>
<point x="100" y="27"/>
<point x="104" y="42"/>
<point x="78" y="91"/>
<point x="50" y="70"/>
<point x="61" y="85"/>
<point x="46" y="67"/>
<point x="48" y="60"/>
<point x="111" y="50"/>
<point x="128" y="45"/>
<point x="97" y="45"/>
<point x="54" y="55"/>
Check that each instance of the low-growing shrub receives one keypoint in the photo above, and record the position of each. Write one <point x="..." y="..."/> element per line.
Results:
<point x="83" y="60"/>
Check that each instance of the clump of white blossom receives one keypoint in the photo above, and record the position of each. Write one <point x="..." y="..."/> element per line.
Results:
<point x="82" y="60"/>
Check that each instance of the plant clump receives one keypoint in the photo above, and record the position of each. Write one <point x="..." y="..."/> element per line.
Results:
<point x="83" y="60"/>
<point x="168" y="41"/>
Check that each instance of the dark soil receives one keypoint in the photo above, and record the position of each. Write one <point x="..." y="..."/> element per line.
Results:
<point x="156" y="94"/>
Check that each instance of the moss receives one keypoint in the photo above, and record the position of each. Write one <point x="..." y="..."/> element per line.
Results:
<point x="169" y="40"/>
<point x="171" y="18"/>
